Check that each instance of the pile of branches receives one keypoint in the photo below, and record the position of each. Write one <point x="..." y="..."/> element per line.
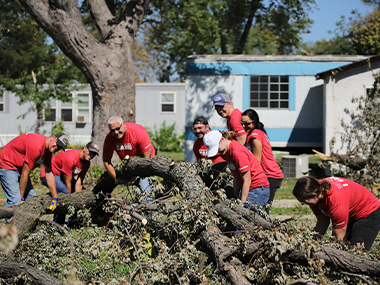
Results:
<point x="188" y="234"/>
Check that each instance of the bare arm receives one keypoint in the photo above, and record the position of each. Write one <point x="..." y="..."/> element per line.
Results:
<point x="246" y="184"/>
<point x="67" y="180"/>
<point x="109" y="167"/>
<point x="340" y="233"/>
<point x="257" y="149"/>
<point x="24" y="178"/>
<point x="50" y="180"/>
<point x="79" y="184"/>
<point x="323" y="223"/>
<point x="148" y="153"/>
<point x="242" y="139"/>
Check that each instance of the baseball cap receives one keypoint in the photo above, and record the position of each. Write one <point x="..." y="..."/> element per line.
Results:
<point x="211" y="141"/>
<point x="200" y="120"/>
<point x="221" y="99"/>
<point x="62" y="140"/>
<point x="93" y="147"/>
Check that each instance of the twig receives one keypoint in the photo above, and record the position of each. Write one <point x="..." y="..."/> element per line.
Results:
<point x="137" y="254"/>
<point x="207" y="267"/>
<point x="357" y="276"/>
<point x="175" y="275"/>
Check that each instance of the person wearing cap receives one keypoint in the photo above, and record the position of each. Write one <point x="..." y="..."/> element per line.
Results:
<point x="249" y="177"/>
<point x="23" y="154"/>
<point x="223" y="106"/>
<point x="69" y="168"/>
<point x="126" y="139"/>
<point x="200" y="127"/>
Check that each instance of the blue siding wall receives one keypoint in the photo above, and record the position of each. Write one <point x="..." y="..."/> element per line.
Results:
<point x="258" y="68"/>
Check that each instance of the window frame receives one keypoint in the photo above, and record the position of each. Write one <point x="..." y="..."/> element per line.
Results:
<point x="3" y="102"/>
<point x="174" y="102"/>
<point x="77" y="107"/>
<point x="269" y="91"/>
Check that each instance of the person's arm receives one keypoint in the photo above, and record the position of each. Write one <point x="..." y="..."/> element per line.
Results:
<point x="148" y="153"/>
<point x="79" y="184"/>
<point x="242" y="139"/>
<point x="257" y="149"/>
<point x="340" y="233"/>
<point x="24" y="179"/>
<point x="246" y="184"/>
<point x="323" y="223"/>
<point x="236" y="188"/>
<point x="109" y="167"/>
<point x="67" y="180"/>
<point x="50" y="180"/>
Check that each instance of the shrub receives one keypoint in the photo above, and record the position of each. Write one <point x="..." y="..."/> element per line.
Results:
<point x="166" y="138"/>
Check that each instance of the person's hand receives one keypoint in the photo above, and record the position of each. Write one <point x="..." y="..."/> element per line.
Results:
<point x="22" y="201"/>
<point x="54" y="204"/>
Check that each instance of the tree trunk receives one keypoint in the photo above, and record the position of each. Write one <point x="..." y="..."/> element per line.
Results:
<point x="108" y="65"/>
<point x="37" y="277"/>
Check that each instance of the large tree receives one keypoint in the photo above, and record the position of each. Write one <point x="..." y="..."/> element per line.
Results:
<point x="107" y="63"/>
<point x="181" y="28"/>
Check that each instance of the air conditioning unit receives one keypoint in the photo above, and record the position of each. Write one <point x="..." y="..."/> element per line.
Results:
<point x="295" y="166"/>
<point x="82" y="119"/>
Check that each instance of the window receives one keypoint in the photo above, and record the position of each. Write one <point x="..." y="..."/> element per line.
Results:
<point x="1" y="102"/>
<point x="83" y="107"/>
<point x="269" y="91"/>
<point x="66" y="111"/>
<point x="51" y="113"/>
<point x="167" y="102"/>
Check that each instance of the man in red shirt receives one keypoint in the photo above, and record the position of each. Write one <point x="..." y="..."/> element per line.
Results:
<point x="69" y="168"/>
<point x="126" y="139"/>
<point x="19" y="157"/>
<point x="223" y="106"/>
<point x="200" y="128"/>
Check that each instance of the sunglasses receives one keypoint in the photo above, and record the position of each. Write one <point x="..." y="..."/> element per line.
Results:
<point x="116" y="129"/>
<point x="246" y="123"/>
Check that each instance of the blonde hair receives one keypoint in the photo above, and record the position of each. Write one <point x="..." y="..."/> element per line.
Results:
<point x="228" y="135"/>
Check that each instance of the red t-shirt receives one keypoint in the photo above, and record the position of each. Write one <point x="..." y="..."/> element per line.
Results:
<point x="135" y="142"/>
<point x="200" y="151"/>
<point x="268" y="162"/>
<point x="29" y="148"/>
<point x="234" y="124"/>
<point x="68" y="162"/>
<point x="241" y="160"/>
<point x="346" y="201"/>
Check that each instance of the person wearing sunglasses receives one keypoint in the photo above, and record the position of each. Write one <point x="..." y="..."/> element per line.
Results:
<point x="223" y="106"/>
<point x="258" y="143"/>
<point x="249" y="178"/>
<point x="23" y="154"/>
<point x="126" y="139"/>
<point x="69" y="168"/>
<point x="352" y="209"/>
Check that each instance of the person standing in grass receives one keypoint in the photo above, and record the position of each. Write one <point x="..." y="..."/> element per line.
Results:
<point x="353" y="210"/>
<point x="258" y="143"/>
<point x="69" y="169"/>
<point x="249" y="178"/>
<point x="223" y="106"/>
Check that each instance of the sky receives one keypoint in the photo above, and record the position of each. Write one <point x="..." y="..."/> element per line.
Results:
<point x="328" y="14"/>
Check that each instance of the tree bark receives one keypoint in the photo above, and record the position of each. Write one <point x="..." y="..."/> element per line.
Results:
<point x="37" y="276"/>
<point x="108" y="65"/>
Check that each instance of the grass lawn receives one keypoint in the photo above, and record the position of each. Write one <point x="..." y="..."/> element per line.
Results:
<point x="176" y="156"/>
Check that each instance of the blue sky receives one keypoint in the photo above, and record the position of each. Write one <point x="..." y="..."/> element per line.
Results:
<point x="329" y="13"/>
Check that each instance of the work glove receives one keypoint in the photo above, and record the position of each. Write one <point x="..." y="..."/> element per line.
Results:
<point x="22" y="201"/>
<point x="54" y="204"/>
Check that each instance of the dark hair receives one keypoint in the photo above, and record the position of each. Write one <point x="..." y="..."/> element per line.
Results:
<point x="228" y="135"/>
<point x="255" y="118"/>
<point x="200" y="120"/>
<point x="306" y="187"/>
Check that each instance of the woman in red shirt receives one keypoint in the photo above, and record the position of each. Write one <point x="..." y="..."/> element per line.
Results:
<point x="249" y="176"/>
<point x="258" y="143"/>
<point x="353" y="210"/>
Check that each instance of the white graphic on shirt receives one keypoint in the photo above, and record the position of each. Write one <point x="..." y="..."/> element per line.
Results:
<point x="125" y="146"/>
<point x="203" y="152"/>
<point x="40" y="160"/>
<point x="231" y="166"/>
<point x="77" y="170"/>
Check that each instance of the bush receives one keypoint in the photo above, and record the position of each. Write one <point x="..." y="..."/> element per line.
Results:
<point x="166" y="138"/>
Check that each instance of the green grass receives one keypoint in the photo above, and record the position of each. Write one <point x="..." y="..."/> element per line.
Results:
<point x="298" y="210"/>
<point x="285" y="192"/>
<point x="177" y="156"/>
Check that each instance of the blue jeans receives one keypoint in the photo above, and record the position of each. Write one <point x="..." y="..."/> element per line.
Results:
<point x="10" y="182"/>
<point x="145" y="186"/>
<point x="258" y="196"/>
<point x="61" y="188"/>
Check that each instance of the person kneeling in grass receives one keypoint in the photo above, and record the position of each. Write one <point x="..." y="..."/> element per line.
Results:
<point x="353" y="210"/>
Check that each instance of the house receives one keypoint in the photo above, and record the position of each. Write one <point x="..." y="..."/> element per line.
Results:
<point x="340" y="86"/>
<point x="283" y="90"/>
<point x="155" y="103"/>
